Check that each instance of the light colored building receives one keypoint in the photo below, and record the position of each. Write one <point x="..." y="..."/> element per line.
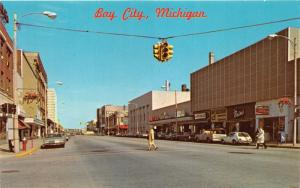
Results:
<point x="33" y="94"/>
<point x="104" y="125"/>
<point x="91" y="125"/>
<point x="52" y="104"/>
<point x="140" y="108"/>
<point x="166" y="121"/>
<point x="119" y="122"/>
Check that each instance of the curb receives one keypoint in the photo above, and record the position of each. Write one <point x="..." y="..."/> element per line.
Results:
<point x="288" y="147"/>
<point x="29" y="152"/>
<point x="280" y="146"/>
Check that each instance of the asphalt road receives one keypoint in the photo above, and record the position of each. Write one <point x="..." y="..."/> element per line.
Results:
<point x="90" y="161"/>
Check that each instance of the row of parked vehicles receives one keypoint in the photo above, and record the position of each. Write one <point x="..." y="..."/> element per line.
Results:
<point x="214" y="135"/>
<point x="56" y="140"/>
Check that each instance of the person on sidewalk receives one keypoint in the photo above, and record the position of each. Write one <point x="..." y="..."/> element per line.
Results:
<point x="151" y="144"/>
<point x="260" y="137"/>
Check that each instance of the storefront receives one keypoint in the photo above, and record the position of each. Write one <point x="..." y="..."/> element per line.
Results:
<point x="202" y="120"/>
<point x="218" y="118"/>
<point x="277" y="118"/>
<point x="241" y="118"/>
<point x="36" y="126"/>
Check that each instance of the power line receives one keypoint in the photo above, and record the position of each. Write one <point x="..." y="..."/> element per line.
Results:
<point x="156" y="37"/>
<point x="87" y="31"/>
<point x="234" y="28"/>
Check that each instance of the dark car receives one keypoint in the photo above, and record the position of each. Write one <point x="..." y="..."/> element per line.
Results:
<point x="171" y="136"/>
<point x="186" y="136"/>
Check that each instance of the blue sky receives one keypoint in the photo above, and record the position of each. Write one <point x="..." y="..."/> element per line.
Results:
<point x="101" y="69"/>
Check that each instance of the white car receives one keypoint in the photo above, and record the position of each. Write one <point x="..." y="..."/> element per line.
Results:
<point x="214" y="135"/>
<point x="237" y="138"/>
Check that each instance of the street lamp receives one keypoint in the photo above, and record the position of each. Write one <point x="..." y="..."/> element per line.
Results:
<point x="50" y="15"/>
<point x="137" y="121"/>
<point x="294" y="43"/>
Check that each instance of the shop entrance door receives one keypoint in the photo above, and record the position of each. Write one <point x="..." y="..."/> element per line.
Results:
<point x="272" y="127"/>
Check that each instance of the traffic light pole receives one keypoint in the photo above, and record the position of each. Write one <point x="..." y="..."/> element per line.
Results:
<point x="16" y="140"/>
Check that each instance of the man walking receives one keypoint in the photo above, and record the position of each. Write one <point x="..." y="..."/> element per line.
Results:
<point x="151" y="144"/>
<point x="260" y="136"/>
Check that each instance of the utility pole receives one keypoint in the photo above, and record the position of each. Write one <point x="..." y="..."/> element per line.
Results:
<point x="15" y="95"/>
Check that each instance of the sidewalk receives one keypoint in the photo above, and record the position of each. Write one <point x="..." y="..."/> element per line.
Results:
<point x="31" y="146"/>
<point x="284" y="145"/>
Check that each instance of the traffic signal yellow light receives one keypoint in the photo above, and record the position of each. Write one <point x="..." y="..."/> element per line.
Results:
<point x="157" y="51"/>
<point x="170" y="52"/>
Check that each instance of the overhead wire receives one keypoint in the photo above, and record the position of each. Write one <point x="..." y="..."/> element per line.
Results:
<point x="157" y="37"/>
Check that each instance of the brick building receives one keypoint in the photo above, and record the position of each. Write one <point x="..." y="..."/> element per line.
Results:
<point x="231" y="92"/>
<point x="6" y="72"/>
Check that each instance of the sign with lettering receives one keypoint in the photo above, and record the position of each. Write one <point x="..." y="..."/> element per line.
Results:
<point x="202" y="116"/>
<point x="219" y="115"/>
<point x="262" y="110"/>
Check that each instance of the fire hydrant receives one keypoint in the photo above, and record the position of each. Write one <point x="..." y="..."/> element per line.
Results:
<point x="24" y="143"/>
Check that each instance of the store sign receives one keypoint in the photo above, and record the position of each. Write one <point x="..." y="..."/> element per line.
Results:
<point x="237" y="113"/>
<point x="262" y="110"/>
<point x="219" y="115"/>
<point x="180" y="113"/>
<point x="201" y="116"/>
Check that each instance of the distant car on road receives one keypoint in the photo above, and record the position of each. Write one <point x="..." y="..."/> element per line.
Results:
<point x="54" y="140"/>
<point x="213" y="135"/>
<point x="237" y="138"/>
<point x="171" y="136"/>
<point x="186" y="136"/>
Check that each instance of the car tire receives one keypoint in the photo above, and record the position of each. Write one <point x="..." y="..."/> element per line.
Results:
<point x="208" y="140"/>
<point x="63" y="146"/>
<point x="222" y="141"/>
<point x="234" y="142"/>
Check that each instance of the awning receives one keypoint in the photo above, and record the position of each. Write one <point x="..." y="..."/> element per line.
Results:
<point x="22" y="125"/>
<point x="34" y="121"/>
<point x="122" y="126"/>
<point x="172" y="120"/>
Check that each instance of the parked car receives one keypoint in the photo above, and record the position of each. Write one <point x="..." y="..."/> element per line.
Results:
<point x="186" y="136"/>
<point x="54" y="140"/>
<point x="213" y="135"/>
<point x="237" y="138"/>
<point x="170" y="136"/>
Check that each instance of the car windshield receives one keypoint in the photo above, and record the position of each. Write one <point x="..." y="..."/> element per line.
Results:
<point x="243" y="134"/>
<point x="54" y="135"/>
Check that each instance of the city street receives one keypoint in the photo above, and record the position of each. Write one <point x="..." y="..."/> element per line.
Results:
<point x="95" y="161"/>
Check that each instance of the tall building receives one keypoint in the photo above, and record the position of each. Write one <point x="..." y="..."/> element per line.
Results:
<point x="52" y="104"/>
<point x="253" y="84"/>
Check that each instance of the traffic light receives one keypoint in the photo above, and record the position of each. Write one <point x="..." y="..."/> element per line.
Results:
<point x="170" y="52"/>
<point x="157" y="51"/>
<point x="166" y="51"/>
<point x="162" y="51"/>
